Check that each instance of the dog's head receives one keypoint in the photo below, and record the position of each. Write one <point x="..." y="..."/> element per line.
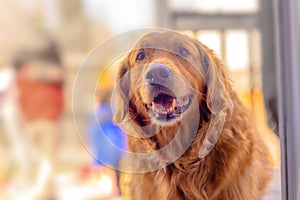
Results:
<point x="165" y="72"/>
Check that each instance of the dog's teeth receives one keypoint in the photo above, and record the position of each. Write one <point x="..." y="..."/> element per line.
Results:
<point x="156" y="109"/>
<point x="173" y="103"/>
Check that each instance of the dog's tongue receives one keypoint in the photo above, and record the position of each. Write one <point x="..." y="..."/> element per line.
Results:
<point x="163" y="102"/>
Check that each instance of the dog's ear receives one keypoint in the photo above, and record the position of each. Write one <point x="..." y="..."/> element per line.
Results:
<point x="122" y="89"/>
<point x="217" y="80"/>
<point x="218" y="97"/>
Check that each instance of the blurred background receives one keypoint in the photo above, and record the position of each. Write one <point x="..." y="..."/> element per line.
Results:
<point x="44" y="42"/>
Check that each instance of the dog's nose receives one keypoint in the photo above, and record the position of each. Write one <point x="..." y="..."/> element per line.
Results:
<point x="157" y="73"/>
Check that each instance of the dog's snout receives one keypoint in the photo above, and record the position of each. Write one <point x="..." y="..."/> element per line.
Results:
<point x="157" y="73"/>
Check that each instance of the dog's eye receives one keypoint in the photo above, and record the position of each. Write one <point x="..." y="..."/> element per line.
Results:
<point x="141" y="56"/>
<point x="183" y="52"/>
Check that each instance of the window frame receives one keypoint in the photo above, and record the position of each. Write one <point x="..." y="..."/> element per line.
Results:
<point x="287" y="26"/>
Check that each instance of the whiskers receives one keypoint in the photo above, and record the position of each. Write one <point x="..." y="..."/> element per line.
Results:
<point x="197" y="92"/>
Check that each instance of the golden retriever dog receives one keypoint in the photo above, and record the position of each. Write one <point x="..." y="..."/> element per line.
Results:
<point x="192" y="136"/>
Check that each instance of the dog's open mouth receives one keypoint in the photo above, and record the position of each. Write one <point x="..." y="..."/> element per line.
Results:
<point x="166" y="107"/>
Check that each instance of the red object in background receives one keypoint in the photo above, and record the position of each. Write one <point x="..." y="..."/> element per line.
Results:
<point x="40" y="100"/>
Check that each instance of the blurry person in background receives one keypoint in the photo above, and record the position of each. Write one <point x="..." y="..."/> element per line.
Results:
<point x="105" y="140"/>
<point x="39" y="82"/>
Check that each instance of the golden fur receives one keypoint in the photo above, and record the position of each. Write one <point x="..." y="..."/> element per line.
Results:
<point x="237" y="168"/>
